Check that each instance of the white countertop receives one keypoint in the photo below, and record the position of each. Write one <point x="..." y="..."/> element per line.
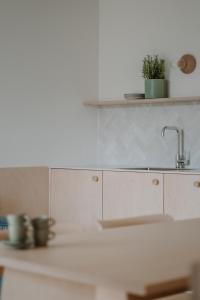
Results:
<point x="131" y="169"/>
<point x="135" y="169"/>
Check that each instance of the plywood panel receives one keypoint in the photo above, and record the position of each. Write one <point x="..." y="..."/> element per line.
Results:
<point x="23" y="286"/>
<point x="129" y="194"/>
<point x="24" y="190"/>
<point x="142" y="260"/>
<point x="182" y="195"/>
<point x="76" y="196"/>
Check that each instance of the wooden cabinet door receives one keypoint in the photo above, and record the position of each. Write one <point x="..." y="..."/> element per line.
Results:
<point x="24" y="190"/>
<point x="129" y="194"/>
<point x="182" y="195"/>
<point x="76" y="196"/>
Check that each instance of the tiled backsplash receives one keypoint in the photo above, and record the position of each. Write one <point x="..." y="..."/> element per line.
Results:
<point x="132" y="136"/>
<point x="129" y="30"/>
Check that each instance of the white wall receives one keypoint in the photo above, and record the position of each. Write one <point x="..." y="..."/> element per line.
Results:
<point x="129" y="30"/>
<point x="48" y="66"/>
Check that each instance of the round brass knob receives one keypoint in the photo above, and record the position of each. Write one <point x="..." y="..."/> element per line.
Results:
<point x="95" y="178"/>
<point x="155" y="181"/>
<point x="197" y="184"/>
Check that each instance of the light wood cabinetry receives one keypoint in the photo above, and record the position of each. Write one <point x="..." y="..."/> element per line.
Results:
<point x="76" y="196"/>
<point x="67" y="195"/>
<point x="129" y="194"/>
<point x="24" y="190"/>
<point x="85" y="196"/>
<point x="182" y="195"/>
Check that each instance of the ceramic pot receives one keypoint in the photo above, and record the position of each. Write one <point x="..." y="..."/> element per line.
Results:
<point x="155" y="88"/>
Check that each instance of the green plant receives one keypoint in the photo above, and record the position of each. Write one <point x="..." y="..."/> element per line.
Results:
<point x="153" y="67"/>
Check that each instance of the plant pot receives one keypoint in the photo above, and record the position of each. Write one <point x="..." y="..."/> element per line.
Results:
<point x="155" y="88"/>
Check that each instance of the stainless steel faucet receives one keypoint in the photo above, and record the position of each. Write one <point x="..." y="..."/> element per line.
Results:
<point x="181" y="160"/>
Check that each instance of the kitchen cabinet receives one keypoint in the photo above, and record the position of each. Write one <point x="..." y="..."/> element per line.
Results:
<point x="129" y="194"/>
<point x="84" y="196"/>
<point x="67" y="195"/>
<point x="24" y="190"/>
<point x="182" y="195"/>
<point x="76" y="196"/>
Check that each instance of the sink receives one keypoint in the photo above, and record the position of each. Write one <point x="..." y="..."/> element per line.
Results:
<point x="157" y="169"/>
<point x="168" y="169"/>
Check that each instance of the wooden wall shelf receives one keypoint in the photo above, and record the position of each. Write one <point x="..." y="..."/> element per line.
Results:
<point x="143" y="102"/>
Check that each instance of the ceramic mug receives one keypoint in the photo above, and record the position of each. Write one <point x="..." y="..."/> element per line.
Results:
<point x="18" y="228"/>
<point x="42" y="232"/>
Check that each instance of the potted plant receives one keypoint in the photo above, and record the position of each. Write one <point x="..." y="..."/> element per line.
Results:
<point x="154" y="75"/>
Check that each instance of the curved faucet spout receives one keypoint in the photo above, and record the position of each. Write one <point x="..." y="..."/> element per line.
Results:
<point x="180" y="158"/>
<point x="178" y="130"/>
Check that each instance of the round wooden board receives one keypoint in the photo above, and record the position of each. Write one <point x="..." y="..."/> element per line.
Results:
<point x="187" y="63"/>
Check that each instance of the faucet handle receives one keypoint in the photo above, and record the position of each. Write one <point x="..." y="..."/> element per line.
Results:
<point x="182" y="161"/>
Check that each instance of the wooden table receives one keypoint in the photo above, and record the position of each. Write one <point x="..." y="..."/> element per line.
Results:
<point x="144" y="261"/>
